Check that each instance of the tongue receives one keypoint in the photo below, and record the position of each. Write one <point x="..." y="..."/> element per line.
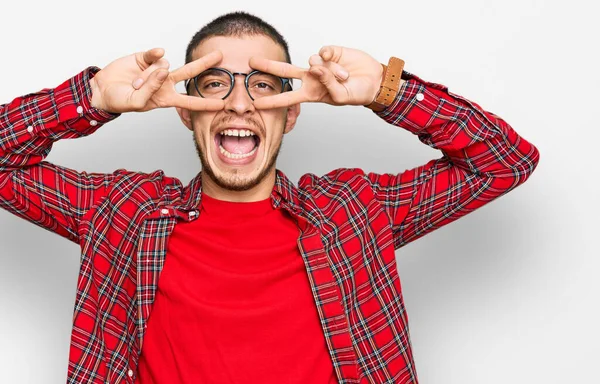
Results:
<point x="238" y="145"/>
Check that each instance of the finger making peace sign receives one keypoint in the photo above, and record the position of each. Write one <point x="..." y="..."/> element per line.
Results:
<point x="142" y="82"/>
<point x="337" y="76"/>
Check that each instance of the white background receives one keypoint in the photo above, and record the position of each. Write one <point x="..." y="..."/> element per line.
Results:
<point x="506" y="294"/>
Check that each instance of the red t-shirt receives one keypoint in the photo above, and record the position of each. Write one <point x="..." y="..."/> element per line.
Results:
<point x="234" y="304"/>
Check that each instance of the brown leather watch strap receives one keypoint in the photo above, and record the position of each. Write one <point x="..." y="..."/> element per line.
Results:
<point x="390" y="84"/>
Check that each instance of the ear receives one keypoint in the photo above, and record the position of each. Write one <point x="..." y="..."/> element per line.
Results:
<point x="292" y="116"/>
<point x="185" y="117"/>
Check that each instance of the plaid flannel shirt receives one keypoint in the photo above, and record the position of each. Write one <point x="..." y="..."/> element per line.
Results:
<point x="350" y="223"/>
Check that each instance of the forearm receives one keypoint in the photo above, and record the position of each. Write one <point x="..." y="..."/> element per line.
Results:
<point x="471" y="138"/>
<point x="30" y="124"/>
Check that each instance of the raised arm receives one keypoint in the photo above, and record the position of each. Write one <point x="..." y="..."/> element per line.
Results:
<point x="55" y="197"/>
<point x="483" y="157"/>
<point x="49" y="195"/>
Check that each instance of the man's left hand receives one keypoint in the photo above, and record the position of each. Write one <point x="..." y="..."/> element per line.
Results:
<point x="337" y="76"/>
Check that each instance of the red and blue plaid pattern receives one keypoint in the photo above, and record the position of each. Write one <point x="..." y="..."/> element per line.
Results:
<point x="351" y="223"/>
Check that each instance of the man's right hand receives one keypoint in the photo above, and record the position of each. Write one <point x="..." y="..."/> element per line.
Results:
<point x="142" y="81"/>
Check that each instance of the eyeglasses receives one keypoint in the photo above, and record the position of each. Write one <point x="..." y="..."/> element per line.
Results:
<point x="217" y="83"/>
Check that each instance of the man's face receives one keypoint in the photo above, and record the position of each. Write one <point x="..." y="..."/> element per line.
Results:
<point x="234" y="160"/>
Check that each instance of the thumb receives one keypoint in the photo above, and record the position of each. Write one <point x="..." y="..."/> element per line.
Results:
<point x="156" y="79"/>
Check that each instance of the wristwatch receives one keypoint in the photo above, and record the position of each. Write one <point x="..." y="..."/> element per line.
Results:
<point x="390" y="84"/>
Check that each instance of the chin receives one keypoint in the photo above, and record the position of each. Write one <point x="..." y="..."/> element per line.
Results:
<point x="236" y="174"/>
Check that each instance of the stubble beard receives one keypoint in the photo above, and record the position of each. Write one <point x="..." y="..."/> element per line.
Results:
<point x="235" y="181"/>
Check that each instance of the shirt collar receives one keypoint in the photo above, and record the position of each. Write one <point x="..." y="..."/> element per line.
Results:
<point x="284" y="194"/>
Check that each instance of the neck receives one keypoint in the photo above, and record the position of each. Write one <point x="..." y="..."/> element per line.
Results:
<point x="261" y="191"/>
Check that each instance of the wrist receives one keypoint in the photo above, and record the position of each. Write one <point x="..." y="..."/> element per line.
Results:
<point x="96" y="99"/>
<point x="378" y="83"/>
<point x="391" y="81"/>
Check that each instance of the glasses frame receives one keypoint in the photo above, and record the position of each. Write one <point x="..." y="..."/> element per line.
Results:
<point x="284" y="81"/>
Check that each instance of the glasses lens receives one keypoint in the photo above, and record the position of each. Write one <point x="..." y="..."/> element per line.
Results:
<point x="263" y="84"/>
<point x="213" y="83"/>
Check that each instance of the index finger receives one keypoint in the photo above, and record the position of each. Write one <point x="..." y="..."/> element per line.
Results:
<point x="193" y="103"/>
<point x="281" y="100"/>
<point x="196" y="67"/>
<point x="277" y="68"/>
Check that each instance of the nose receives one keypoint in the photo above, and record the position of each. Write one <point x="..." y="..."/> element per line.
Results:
<point x="239" y="101"/>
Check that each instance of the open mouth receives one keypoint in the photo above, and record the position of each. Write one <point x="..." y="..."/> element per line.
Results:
<point x="236" y="144"/>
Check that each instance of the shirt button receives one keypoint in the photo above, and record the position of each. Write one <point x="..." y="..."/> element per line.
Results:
<point x="164" y="211"/>
<point x="420" y="96"/>
<point x="80" y="109"/>
<point x="93" y="123"/>
<point x="30" y="129"/>
<point x="130" y="373"/>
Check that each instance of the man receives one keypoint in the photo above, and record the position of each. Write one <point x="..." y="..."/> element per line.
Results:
<point x="241" y="276"/>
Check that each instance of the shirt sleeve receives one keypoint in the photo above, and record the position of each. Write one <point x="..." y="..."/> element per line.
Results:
<point x="482" y="159"/>
<point x="51" y="196"/>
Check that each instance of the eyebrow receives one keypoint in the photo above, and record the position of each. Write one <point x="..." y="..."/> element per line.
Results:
<point x="212" y="72"/>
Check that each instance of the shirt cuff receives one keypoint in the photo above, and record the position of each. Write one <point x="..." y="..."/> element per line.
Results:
<point x="410" y="92"/>
<point x="441" y="119"/>
<point x="72" y="100"/>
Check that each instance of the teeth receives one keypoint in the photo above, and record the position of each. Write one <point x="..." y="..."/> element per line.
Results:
<point x="237" y="132"/>
<point x="236" y="155"/>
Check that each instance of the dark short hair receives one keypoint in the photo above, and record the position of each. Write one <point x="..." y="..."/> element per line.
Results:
<point x="236" y="24"/>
